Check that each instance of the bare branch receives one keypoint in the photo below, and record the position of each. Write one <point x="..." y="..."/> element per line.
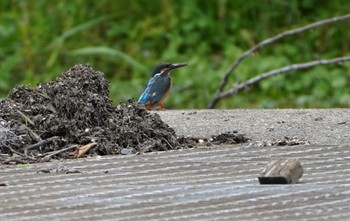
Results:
<point x="32" y="134"/>
<point x="283" y="70"/>
<point x="39" y="144"/>
<point x="267" y="42"/>
<point x="49" y="155"/>
<point x="25" y="118"/>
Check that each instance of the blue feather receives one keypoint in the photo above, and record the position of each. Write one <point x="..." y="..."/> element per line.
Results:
<point x="145" y="97"/>
<point x="155" y="89"/>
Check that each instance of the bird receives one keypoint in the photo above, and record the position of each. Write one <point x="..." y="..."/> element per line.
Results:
<point x="159" y="85"/>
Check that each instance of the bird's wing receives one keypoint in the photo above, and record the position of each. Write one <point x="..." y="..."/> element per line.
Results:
<point x="145" y="97"/>
<point x="155" y="90"/>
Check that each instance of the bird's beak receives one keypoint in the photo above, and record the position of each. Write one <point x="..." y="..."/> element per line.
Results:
<point x="178" y="65"/>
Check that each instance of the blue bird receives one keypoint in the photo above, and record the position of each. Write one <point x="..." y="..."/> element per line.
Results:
<point x="159" y="86"/>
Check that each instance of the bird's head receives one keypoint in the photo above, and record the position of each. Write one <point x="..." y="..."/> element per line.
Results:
<point x="165" y="68"/>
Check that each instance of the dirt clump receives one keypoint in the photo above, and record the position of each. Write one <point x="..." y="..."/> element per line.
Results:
<point x="230" y="137"/>
<point x="284" y="141"/>
<point x="51" y="120"/>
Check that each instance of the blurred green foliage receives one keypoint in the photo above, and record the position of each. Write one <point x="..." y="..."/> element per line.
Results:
<point x="39" y="39"/>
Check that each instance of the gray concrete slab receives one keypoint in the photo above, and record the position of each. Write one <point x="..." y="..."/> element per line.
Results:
<point x="208" y="183"/>
<point x="319" y="126"/>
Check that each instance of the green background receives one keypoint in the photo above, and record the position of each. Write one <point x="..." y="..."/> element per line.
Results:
<point x="39" y="39"/>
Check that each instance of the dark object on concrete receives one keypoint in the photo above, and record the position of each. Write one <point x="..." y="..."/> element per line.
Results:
<point x="289" y="141"/>
<point x="281" y="171"/>
<point x="231" y="137"/>
<point x="58" y="169"/>
<point x="284" y="141"/>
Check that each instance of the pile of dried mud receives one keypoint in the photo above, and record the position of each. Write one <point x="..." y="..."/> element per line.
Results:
<point x="55" y="119"/>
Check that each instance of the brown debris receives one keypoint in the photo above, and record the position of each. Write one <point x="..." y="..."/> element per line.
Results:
<point x="82" y="150"/>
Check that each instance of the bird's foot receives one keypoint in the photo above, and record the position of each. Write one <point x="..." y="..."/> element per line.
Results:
<point x="162" y="107"/>
<point x="148" y="107"/>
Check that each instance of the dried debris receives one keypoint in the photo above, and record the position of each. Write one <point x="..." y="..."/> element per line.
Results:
<point x="284" y="141"/>
<point x="231" y="137"/>
<point x="37" y="124"/>
<point x="82" y="150"/>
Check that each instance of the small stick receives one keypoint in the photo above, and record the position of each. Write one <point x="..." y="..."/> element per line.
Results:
<point x="32" y="134"/>
<point x="48" y="155"/>
<point x="20" y="154"/>
<point x="168" y="143"/>
<point x="25" y="118"/>
<point x="39" y="144"/>
<point x="16" y="152"/>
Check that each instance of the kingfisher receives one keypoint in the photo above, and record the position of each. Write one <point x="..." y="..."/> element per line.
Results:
<point x="159" y="86"/>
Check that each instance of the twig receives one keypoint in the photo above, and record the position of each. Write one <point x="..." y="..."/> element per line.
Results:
<point x="25" y="118"/>
<point x="168" y="143"/>
<point x="285" y="69"/>
<point x="16" y="152"/>
<point x="39" y="144"/>
<point x="14" y="160"/>
<point x="48" y="155"/>
<point x="19" y="154"/>
<point x="265" y="42"/>
<point x="32" y="134"/>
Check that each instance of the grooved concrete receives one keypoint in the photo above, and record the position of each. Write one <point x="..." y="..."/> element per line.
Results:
<point x="193" y="184"/>
<point x="196" y="184"/>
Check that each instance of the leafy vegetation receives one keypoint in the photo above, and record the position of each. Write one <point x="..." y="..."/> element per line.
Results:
<point x="125" y="39"/>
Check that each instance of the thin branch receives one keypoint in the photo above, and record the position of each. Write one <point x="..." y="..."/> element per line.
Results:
<point x="39" y="144"/>
<point x="49" y="155"/>
<point x="283" y="70"/>
<point x="25" y="118"/>
<point x="267" y="42"/>
<point x="17" y="153"/>
<point x="32" y="134"/>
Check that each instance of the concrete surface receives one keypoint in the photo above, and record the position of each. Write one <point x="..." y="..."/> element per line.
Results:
<point x="207" y="183"/>
<point x="319" y="126"/>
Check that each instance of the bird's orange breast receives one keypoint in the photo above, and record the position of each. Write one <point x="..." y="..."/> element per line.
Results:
<point x="166" y="93"/>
